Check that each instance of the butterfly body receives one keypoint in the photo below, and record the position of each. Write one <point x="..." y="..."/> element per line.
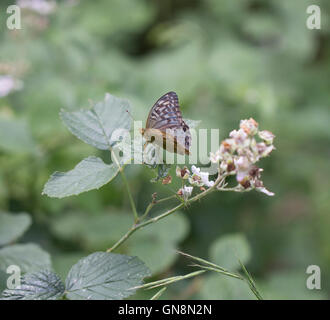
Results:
<point x="165" y="126"/>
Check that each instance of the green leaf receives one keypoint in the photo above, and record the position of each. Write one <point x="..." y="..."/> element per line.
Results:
<point x="42" y="285"/>
<point x="155" y="244"/>
<point x="92" y="232"/>
<point x="91" y="173"/>
<point x="63" y="261"/>
<point x="28" y="257"/>
<point x="173" y="229"/>
<point x="158" y="255"/>
<point x="12" y="226"/>
<point x="220" y="287"/>
<point x="15" y="137"/>
<point x="105" y="276"/>
<point x="228" y="249"/>
<point x="96" y="126"/>
<point x="290" y="285"/>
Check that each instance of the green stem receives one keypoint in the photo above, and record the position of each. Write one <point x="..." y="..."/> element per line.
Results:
<point x="164" y="282"/>
<point x="152" y="204"/>
<point x="136" y="216"/>
<point x="158" y="294"/>
<point x="122" y="173"/>
<point x="137" y="226"/>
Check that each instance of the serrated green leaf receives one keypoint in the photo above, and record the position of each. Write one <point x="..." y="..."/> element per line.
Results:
<point x="28" y="257"/>
<point x="91" y="173"/>
<point x="105" y="276"/>
<point x="42" y="285"/>
<point x="97" y="125"/>
<point x="228" y="249"/>
<point x="15" y="137"/>
<point x="12" y="226"/>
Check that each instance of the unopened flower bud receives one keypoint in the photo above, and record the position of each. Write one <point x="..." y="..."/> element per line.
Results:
<point x="167" y="180"/>
<point x="230" y="166"/>
<point x="245" y="182"/>
<point x="264" y="150"/>
<point x="184" y="173"/>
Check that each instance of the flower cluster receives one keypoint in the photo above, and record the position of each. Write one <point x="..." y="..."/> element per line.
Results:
<point x="197" y="178"/>
<point x="238" y="154"/>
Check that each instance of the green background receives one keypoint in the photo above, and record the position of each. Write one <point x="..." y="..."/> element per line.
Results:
<point x="227" y="60"/>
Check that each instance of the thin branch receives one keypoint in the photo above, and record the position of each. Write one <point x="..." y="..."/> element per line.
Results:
<point x="122" y="173"/>
<point x="137" y="226"/>
<point x="167" y="281"/>
<point x="153" y="203"/>
<point x="158" y="294"/>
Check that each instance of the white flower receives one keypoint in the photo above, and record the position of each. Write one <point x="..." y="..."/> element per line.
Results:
<point x="200" y="178"/>
<point x="215" y="157"/>
<point x="205" y="179"/>
<point x="185" y="192"/>
<point x="195" y="170"/>
<point x="249" y="126"/>
<point x="239" y="136"/>
<point x="242" y="165"/>
<point x="227" y="147"/>
<point x="267" y="136"/>
<point x="264" y="150"/>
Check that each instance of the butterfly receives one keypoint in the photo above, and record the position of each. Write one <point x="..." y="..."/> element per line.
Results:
<point x="165" y="126"/>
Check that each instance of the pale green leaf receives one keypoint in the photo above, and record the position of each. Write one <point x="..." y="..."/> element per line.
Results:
<point x="91" y="173"/>
<point x="158" y="255"/>
<point x="105" y="276"/>
<point x="12" y="226"/>
<point x="28" y="257"/>
<point x="228" y="249"/>
<point x="42" y="285"/>
<point x="97" y="125"/>
<point x="220" y="287"/>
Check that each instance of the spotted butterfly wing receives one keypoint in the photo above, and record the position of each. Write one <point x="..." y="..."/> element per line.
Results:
<point x="165" y="123"/>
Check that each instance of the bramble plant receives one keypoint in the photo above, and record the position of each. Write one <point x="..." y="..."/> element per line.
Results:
<point x="107" y="275"/>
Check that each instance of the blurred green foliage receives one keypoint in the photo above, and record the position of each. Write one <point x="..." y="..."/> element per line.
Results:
<point x="227" y="60"/>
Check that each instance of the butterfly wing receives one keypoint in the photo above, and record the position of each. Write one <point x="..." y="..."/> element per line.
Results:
<point x="165" y="115"/>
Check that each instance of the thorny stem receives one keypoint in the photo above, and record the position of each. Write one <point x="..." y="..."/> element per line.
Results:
<point x="137" y="226"/>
